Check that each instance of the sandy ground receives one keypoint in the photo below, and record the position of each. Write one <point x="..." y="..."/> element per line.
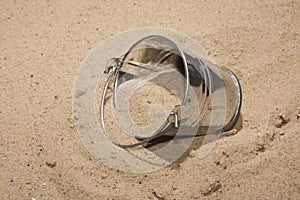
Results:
<point x="44" y="43"/>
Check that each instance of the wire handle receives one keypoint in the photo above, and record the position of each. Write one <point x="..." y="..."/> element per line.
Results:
<point x="173" y="119"/>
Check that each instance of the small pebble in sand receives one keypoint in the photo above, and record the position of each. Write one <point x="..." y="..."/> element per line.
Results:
<point x="212" y="188"/>
<point x="253" y="126"/>
<point x="217" y="162"/>
<point x="51" y="164"/>
<point x="281" y="132"/>
<point x="229" y="133"/>
<point x="192" y="153"/>
<point x="281" y="120"/>
<point x="260" y="147"/>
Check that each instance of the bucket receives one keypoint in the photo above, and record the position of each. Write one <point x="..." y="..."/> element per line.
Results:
<point x="209" y="96"/>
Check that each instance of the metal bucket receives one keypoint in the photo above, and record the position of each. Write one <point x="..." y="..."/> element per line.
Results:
<point x="210" y="96"/>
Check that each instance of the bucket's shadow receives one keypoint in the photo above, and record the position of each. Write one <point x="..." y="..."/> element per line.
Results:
<point x="183" y="142"/>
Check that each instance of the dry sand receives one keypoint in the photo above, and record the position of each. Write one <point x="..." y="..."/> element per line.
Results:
<point x="42" y="47"/>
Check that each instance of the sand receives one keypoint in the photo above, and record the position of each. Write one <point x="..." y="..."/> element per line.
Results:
<point x="42" y="47"/>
